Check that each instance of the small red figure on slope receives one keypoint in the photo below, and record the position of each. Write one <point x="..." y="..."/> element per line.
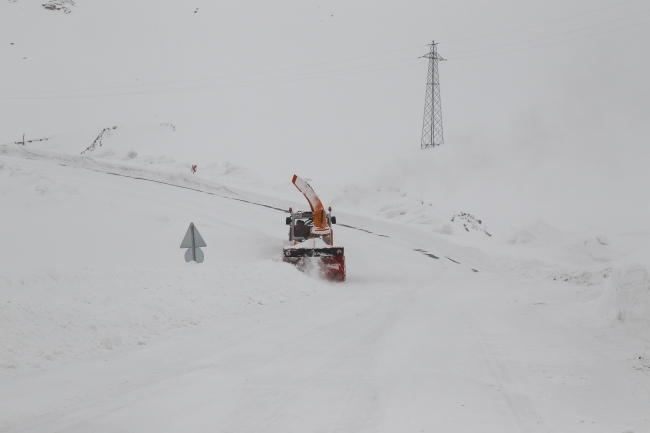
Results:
<point x="193" y="169"/>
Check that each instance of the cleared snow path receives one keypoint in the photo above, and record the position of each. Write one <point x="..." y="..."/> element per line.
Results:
<point x="407" y="344"/>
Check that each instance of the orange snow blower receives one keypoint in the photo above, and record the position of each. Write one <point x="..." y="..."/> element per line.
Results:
<point x="311" y="235"/>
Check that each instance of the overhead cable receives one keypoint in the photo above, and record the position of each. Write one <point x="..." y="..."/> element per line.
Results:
<point x="215" y="86"/>
<point x="552" y="43"/>
<point x="550" y="36"/>
<point x="214" y="77"/>
<point x="537" y="25"/>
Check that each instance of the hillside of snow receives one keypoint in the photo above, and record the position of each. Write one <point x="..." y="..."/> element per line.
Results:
<point x="499" y="282"/>
<point x="67" y="219"/>
<point x="95" y="280"/>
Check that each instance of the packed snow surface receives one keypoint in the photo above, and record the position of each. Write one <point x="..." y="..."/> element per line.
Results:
<point x="104" y="327"/>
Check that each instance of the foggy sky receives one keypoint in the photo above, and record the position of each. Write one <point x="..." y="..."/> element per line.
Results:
<point x="558" y="132"/>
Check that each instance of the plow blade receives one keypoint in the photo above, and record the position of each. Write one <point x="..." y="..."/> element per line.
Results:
<point x="330" y="261"/>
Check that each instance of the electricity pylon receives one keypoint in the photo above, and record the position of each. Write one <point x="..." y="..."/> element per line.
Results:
<point x="432" y="125"/>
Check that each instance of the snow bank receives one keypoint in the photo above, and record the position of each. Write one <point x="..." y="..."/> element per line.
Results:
<point x="590" y="245"/>
<point x="51" y="316"/>
<point x="162" y="168"/>
<point x="144" y="146"/>
<point x="626" y="298"/>
<point x="146" y="141"/>
<point x="537" y="233"/>
<point x="399" y="205"/>
<point x="586" y="257"/>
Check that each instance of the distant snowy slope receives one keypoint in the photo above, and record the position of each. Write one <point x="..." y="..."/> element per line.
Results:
<point x="401" y="206"/>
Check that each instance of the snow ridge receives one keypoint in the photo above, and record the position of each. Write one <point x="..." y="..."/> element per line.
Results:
<point x="60" y="5"/>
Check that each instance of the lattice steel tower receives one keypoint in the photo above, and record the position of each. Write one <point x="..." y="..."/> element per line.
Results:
<point x="432" y="125"/>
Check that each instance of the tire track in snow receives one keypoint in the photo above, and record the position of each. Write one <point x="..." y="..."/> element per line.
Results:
<point x="523" y="412"/>
<point x="359" y="340"/>
<point x="355" y="402"/>
<point x="286" y="371"/>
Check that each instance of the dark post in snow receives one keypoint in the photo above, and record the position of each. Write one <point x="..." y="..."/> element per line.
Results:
<point x="432" y="125"/>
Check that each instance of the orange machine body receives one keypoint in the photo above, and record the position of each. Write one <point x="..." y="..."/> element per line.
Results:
<point x="317" y="209"/>
<point x="302" y="252"/>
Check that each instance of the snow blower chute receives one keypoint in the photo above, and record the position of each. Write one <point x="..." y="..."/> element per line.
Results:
<point x="311" y="239"/>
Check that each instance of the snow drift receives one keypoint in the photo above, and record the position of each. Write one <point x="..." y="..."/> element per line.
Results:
<point x="626" y="297"/>
<point x="55" y="315"/>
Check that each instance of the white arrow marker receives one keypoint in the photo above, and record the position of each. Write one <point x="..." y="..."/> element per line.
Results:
<point x="193" y="241"/>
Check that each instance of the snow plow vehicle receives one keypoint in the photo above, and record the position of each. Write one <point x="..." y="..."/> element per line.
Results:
<point x="311" y="238"/>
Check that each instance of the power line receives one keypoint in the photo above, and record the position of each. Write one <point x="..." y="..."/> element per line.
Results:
<point x="302" y="77"/>
<point x="235" y="84"/>
<point x="210" y="87"/>
<point x="284" y="78"/>
<point x="538" y="25"/>
<point x="552" y="43"/>
<point x="214" y="77"/>
<point x="551" y="36"/>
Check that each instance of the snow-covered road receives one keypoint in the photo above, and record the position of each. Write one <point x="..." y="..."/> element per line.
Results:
<point x="408" y="344"/>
